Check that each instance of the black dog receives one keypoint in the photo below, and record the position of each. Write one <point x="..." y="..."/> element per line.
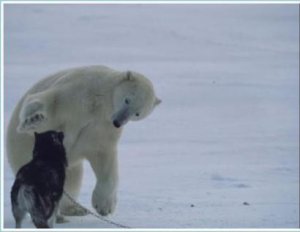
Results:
<point x="39" y="184"/>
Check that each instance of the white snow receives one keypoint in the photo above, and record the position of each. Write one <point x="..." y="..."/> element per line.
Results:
<point x="227" y="132"/>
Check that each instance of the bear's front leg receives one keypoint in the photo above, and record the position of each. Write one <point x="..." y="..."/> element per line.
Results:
<point x="104" y="197"/>
<point x="36" y="110"/>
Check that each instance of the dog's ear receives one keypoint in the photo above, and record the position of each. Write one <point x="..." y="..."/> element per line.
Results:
<point x="61" y="136"/>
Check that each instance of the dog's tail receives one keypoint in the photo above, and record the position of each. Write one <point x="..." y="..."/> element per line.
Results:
<point x="34" y="202"/>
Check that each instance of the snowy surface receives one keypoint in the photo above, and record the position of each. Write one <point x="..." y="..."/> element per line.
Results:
<point x="227" y="131"/>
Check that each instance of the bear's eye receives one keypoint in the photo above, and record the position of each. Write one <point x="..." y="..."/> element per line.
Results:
<point x="127" y="101"/>
<point x="137" y="114"/>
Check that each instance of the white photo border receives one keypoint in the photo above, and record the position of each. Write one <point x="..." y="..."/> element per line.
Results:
<point x="3" y="3"/>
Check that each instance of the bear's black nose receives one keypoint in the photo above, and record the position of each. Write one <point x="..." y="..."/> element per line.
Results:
<point x="116" y="123"/>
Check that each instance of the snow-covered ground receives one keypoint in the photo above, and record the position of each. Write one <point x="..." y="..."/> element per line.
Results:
<point x="222" y="150"/>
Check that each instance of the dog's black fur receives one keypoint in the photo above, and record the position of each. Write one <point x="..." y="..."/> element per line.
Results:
<point x="39" y="184"/>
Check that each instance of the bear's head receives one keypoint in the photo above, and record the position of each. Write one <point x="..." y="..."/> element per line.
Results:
<point x="133" y="99"/>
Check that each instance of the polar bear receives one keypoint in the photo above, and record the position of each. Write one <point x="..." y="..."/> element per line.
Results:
<point x="90" y="105"/>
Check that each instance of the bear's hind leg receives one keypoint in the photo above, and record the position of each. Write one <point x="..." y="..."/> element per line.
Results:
<point x="72" y="187"/>
<point x="52" y="219"/>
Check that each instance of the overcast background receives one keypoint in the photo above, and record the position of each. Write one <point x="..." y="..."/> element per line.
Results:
<point x="222" y="150"/>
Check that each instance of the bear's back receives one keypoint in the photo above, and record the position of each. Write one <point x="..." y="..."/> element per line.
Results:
<point x="64" y="76"/>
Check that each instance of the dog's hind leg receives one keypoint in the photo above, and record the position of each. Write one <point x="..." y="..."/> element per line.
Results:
<point x="19" y="215"/>
<point x="38" y="215"/>
<point x="39" y="221"/>
<point x="41" y="224"/>
<point x="18" y="208"/>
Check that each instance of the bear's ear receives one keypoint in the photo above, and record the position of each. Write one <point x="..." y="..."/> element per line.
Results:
<point x="129" y="76"/>
<point x="157" y="101"/>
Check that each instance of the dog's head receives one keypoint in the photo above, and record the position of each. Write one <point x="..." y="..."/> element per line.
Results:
<point x="49" y="138"/>
<point x="50" y="144"/>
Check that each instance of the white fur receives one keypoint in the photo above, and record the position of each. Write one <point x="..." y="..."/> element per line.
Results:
<point x="84" y="103"/>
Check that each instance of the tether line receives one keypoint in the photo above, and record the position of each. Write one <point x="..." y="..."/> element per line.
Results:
<point x="94" y="214"/>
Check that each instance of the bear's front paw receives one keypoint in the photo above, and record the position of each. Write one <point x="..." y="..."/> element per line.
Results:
<point x="31" y="116"/>
<point x="104" y="205"/>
